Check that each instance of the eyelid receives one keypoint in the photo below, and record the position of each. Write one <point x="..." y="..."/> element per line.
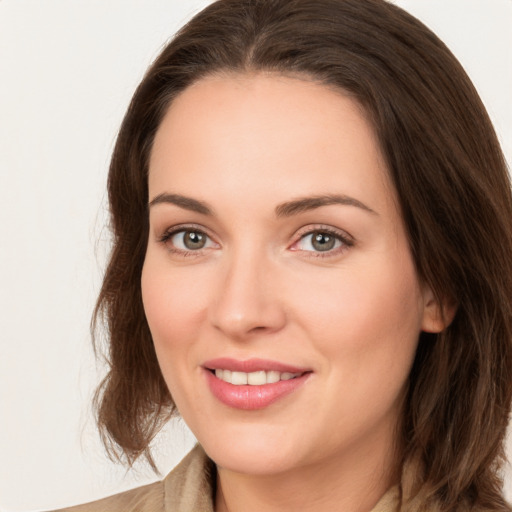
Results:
<point x="346" y="239"/>
<point x="173" y="230"/>
<point x="169" y="231"/>
<point x="311" y="228"/>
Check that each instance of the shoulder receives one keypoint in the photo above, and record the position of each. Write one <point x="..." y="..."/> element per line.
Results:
<point x="188" y="488"/>
<point x="148" y="498"/>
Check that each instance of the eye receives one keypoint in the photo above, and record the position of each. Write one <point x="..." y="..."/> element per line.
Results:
<point x="186" y="240"/>
<point x="323" y="240"/>
<point x="318" y="241"/>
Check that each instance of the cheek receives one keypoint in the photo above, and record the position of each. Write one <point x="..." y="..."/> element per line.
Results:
<point x="175" y="306"/>
<point x="366" y="328"/>
<point x="373" y="311"/>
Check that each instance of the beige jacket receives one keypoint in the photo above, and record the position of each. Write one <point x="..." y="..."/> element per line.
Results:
<point x="188" y="488"/>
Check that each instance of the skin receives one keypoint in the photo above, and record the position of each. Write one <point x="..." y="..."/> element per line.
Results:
<point x="244" y="144"/>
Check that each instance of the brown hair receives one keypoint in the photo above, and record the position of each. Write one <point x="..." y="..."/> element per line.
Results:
<point x="454" y="192"/>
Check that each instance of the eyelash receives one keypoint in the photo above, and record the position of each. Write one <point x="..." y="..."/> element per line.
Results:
<point x="166" y="237"/>
<point x="346" y="240"/>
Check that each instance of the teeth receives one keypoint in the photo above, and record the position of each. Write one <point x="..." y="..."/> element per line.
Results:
<point x="239" y="378"/>
<point x="273" y="377"/>
<point x="257" y="378"/>
<point x="254" y="378"/>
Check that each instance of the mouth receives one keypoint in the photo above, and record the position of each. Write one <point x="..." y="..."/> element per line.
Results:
<point x="258" y="378"/>
<point x="252" y="384"/>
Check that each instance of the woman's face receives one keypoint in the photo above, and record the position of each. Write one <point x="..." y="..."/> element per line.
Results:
<point x="278" y="257"/>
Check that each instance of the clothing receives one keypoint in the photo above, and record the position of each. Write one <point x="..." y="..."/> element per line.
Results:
<point x="189" y="487"/>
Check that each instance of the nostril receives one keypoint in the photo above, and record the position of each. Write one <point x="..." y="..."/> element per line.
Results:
<point x="259" y="328"/>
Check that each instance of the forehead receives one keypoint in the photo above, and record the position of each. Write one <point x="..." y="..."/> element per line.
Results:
<point x="267" y="131"/>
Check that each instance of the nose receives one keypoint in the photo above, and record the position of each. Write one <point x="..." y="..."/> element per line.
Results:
<point x="248" y="299"/>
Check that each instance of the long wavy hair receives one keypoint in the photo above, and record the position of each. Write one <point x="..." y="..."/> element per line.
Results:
<point x="454" y="192"/>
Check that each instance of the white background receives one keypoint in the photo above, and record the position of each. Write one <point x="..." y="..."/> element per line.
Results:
<point x="67" y="72"/>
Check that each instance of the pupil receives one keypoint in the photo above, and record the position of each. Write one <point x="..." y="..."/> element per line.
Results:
<point x="194" y="240"/>
<point x="323" y="241"/>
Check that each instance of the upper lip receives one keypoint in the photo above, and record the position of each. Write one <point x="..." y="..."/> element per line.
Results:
<point x="251" y="365"/>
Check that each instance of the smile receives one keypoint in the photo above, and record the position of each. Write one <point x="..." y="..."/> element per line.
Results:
<point x="253" y="384"/>
<point x="258" y="378"/>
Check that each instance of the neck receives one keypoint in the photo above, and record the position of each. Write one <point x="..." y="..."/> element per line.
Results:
<point x="349" y="482"/>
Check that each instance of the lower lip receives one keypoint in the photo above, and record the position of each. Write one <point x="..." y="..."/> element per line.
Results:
<point x="252" y="397"/>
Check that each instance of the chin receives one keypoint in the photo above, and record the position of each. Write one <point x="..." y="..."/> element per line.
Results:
<point x="252" y="462"/>
<point x="259" y="453"/>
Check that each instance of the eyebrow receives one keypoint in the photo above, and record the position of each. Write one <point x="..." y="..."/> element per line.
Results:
<point x="304" y="204"/>
<point x="287" y="209"/>
<point x="184" y="202"/>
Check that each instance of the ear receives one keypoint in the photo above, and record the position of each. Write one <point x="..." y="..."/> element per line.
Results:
<point x="437" y="315"/>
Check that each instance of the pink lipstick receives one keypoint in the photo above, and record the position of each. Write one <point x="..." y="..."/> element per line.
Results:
<point x="254" y="383"/>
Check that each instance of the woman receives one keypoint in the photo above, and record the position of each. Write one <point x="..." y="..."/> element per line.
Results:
<point x="311" y="263"/>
